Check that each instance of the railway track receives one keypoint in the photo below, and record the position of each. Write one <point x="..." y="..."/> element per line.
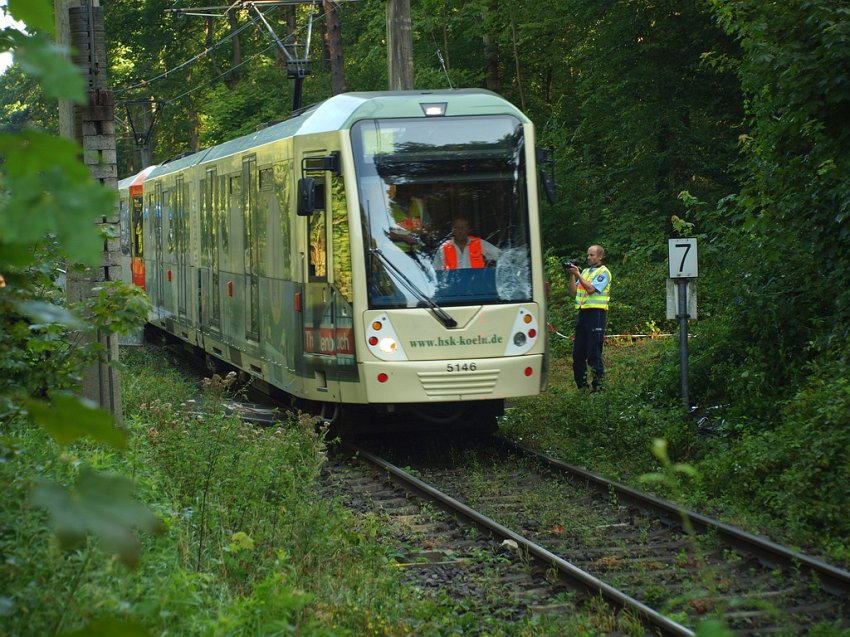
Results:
<point x="547" y="529"/>
<point x="589" y="534"/>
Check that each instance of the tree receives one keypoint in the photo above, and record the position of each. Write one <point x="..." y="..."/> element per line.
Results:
<point x="794" y="203"/>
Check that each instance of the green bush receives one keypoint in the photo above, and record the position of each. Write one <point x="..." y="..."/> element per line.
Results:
<point x="796" y="466"/>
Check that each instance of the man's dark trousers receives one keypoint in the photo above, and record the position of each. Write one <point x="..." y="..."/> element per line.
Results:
<point x="587" y="348"/>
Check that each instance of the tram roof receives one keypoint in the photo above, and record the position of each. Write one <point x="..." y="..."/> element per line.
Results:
<point x="343" y="110"/>
<point x="136" y="179"/>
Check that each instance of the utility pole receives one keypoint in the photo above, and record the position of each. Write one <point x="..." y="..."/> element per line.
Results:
<point x="399" y="45"/>
<point x="334" y="46"/>
<point x="79" y="25"/>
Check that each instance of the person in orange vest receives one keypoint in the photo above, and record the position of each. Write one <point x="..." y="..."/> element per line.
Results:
<point x="591" y="290"/>
<point x="463" y="250"/>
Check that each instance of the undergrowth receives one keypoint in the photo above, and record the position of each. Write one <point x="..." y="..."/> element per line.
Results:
<point x="779" y="469"/>
<point x="249" y="545"/>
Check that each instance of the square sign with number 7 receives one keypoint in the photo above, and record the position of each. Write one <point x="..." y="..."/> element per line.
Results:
<point x="682" y="258"/>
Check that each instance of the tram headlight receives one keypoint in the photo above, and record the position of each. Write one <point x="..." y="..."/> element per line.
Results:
<point x="519" y="339"/>
<point x="388" y="345"/>
<point x="433" y="109"/>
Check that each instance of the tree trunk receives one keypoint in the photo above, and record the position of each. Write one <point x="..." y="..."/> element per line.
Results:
<point x="333" y="41"/>
<point x="399" y="45"/>
<point x="492" y="71"/>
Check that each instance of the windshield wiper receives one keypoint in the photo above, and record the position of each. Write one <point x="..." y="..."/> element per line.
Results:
<point x="440" y="313"/>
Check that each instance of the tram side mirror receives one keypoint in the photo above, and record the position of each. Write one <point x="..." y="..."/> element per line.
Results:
<point x="306" y="196"/>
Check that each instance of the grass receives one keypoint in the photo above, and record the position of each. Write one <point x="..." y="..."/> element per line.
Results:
<point x="612" y="433"/>
<point x="248" y="548"/>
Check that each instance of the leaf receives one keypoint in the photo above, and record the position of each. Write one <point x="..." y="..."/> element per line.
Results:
<point x="101" y="505"/>
<point x="652" y="478"/>
<point x="33" y="151"/>
<point x="687" y="469"/>
<point x="51" y="203"/>
<point x="37" y="14"/>
<point x="15" y="255"/>
<point x="47" y="313"/>
<point x="45" y="61"/>
<point x="67" y="418"/>
<point x="659" y="449"/>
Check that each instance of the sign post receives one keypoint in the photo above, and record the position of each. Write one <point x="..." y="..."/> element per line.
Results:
<point x="683" y="267"/>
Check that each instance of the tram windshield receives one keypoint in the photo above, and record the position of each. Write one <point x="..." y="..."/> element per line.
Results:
<point x="444" y="208"/>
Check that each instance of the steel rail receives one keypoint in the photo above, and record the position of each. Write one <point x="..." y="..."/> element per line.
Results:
<point x="833" y="579"/>
<point x="568" y="570"/>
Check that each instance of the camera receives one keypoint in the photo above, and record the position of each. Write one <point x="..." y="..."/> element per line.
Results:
<point x="571" y="263"/>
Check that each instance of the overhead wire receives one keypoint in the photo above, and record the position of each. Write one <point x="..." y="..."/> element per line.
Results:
<point x="233" y="68"/>
<point x="252" y="22"/>
<point x="442" y="61"/>
<point x="206" y="51"/>
<point x="220" y="75"/>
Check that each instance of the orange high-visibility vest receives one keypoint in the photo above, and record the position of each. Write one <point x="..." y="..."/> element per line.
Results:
<point x="476" y="256"/>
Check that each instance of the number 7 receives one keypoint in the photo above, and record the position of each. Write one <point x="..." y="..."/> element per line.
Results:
<point x="687" y="247"/>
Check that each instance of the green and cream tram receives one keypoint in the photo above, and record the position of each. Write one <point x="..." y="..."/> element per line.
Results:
<point x="315" y="254"/>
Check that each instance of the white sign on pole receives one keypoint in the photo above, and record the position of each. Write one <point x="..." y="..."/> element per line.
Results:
<point x="673" y="300"/>
<point x="682" y="258"/>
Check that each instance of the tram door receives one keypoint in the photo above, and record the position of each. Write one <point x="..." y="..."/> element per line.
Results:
<point x="180" y="220"/>
<point x="158" y="299"/>
<point x="251" y="228"/>
<point x="319" y="329"/>
<point x="136" y="239"/>
<point x="209" y="296"/>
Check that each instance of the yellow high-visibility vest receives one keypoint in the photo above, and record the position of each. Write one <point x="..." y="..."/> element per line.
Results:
<point x="598" y="300"/>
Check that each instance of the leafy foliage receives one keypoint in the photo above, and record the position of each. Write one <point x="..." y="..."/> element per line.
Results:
<point x="48" y="207"/>
<point x="67" y="418"/>
<point x="102" y="505"/>
<point x="791" y="467"/>
<point x="795" y="197"/>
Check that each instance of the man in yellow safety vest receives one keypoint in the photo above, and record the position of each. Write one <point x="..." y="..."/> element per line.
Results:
<point x="591" y="290"/>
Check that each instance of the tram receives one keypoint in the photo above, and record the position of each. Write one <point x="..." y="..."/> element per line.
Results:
<point x="316" y="254"/>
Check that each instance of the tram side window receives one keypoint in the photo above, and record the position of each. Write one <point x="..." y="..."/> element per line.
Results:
<point x="124" y="213"/>
<point x="219" y="215"/>
<point x="205" y="223"/>
<point x="317" y="241"/>
<point x="318" y="246"/>
<point x="179" y="220"/>
<point x="150" y="214"/>
<point x="136" y="215"/>
<point x="266" y="179"/>
<point x="168" y="219"/>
